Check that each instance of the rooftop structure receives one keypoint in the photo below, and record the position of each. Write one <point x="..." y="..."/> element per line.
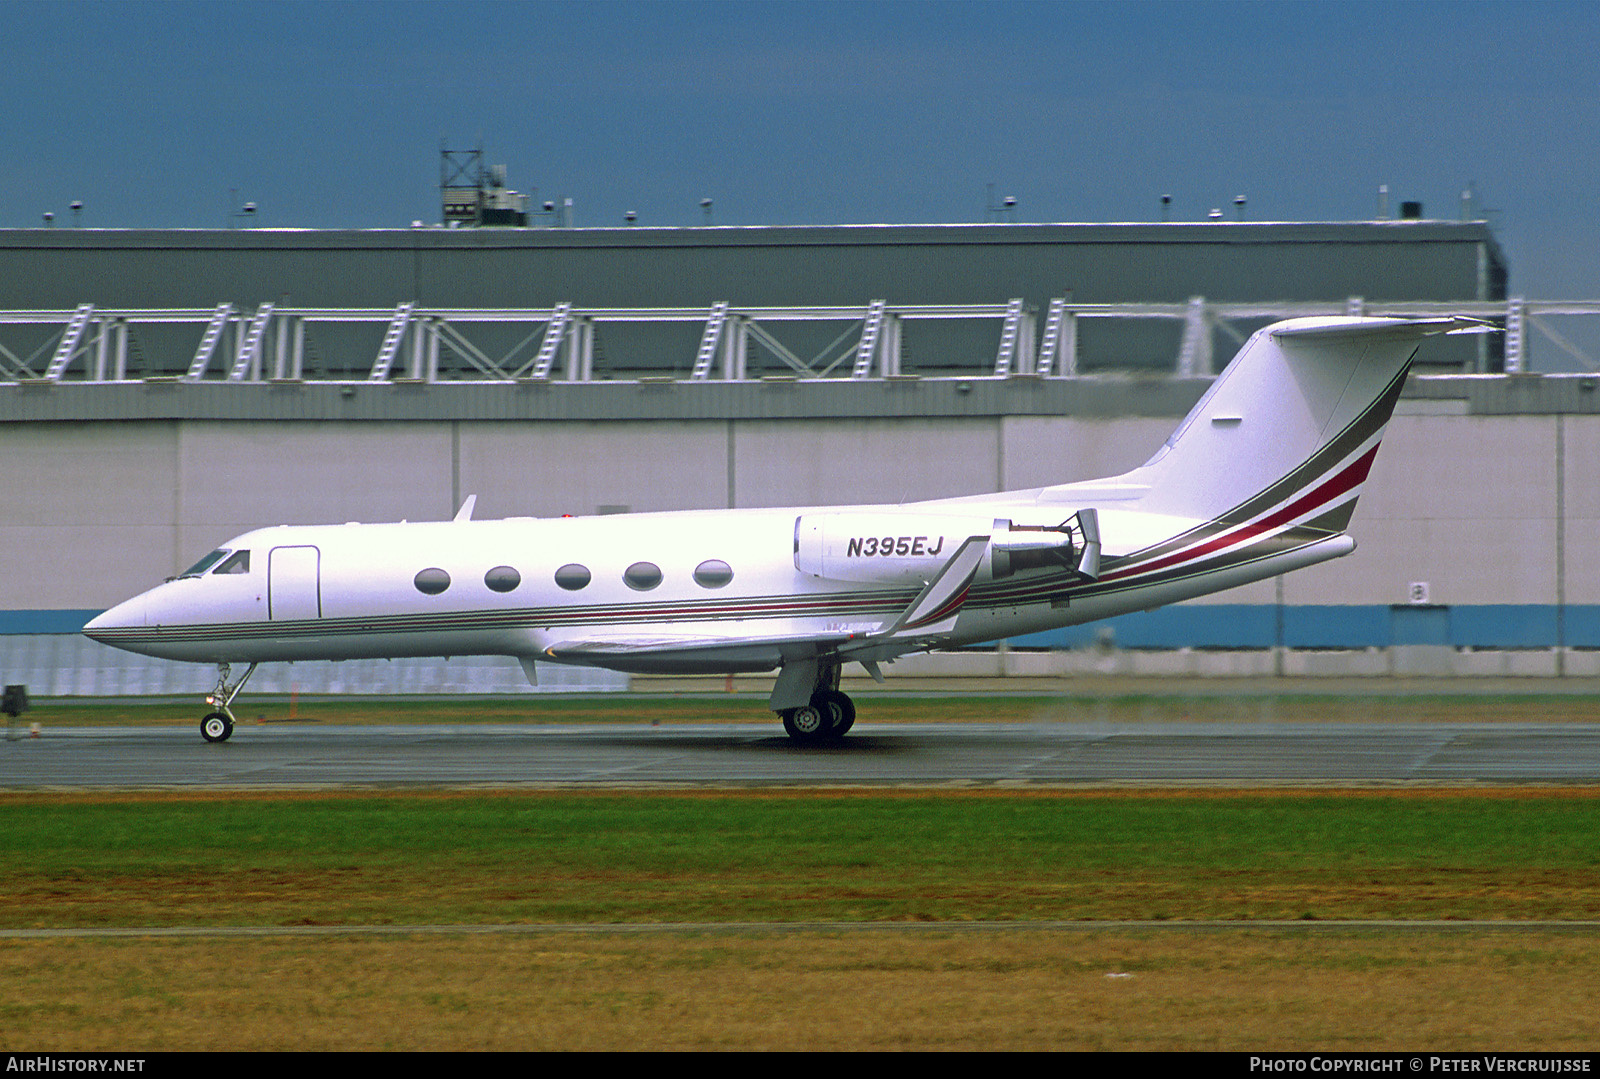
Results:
<point x="645" y="302"/>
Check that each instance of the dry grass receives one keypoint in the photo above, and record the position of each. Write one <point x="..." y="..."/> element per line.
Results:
<point x="1244" y="989"/>
<point x="1182" y="988"/>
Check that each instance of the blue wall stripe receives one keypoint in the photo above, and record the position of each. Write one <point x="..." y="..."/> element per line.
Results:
<point x="1315" y="626"/>
<point x="44" y="621"/>
<point x="1222" y="625"/>
<point x="1226" y="625"/>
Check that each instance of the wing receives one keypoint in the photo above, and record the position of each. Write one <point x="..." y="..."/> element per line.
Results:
<point x="929" y="617"/>
<point x="924" y="623"/>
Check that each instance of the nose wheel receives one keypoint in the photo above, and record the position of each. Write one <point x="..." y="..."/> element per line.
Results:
<point x="217" y="726"/>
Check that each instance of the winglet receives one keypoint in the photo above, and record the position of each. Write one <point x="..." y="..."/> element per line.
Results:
<point x="465" y="512"/>
<point x="1089" y="529"/>
<point x="941" y="601"/>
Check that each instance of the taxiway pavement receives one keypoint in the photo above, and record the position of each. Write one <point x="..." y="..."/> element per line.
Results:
<point x="299" y="756"/>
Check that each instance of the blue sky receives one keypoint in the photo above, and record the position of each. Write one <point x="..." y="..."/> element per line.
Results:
<point x="331" y="114"/>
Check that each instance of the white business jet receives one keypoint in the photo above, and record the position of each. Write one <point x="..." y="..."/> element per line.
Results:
<point x="1259" y="479"/>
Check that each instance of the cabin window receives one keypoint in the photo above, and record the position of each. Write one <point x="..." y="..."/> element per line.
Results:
<point x="204" y="564"/>
<point x="572" y="576"/>
<point x="713" y="573"/>
<point x="238" y="562"/>
<point x="431" y="582"/>
<point x="642" y="576"/>
<point x="502" y="579"/>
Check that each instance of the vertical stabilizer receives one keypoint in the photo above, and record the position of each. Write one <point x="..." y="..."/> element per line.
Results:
<point x="1289" y="431"/>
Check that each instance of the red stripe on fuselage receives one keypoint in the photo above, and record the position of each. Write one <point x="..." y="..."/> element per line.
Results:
<point x="1346" y="481"/>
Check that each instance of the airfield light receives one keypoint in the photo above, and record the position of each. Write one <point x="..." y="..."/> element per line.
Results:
<point x="1238" y="207"/>
<point x="49" y="219"/>
<point x="1166" y="208"/>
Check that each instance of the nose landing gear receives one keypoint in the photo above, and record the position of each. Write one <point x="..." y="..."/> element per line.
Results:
<point x="217" y="726"/>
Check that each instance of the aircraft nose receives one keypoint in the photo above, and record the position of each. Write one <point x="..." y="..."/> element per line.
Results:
<point x="129" y="614"/>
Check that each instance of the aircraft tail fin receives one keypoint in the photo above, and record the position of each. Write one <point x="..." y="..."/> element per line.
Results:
<point x="1289" y="430"/>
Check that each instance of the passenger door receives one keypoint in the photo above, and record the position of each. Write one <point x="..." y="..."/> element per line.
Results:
<point x="294" y="586"/>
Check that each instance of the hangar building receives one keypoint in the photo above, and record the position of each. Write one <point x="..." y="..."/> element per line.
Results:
<point x="129" y="457"/>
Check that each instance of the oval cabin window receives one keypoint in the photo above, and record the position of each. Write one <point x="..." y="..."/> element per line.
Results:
<point x="642" y="576"/>
<point x="572" y="576"/>
<point x="713" y="573"/>
<point x="502" y="579"/>
<point x="430" y="582"/>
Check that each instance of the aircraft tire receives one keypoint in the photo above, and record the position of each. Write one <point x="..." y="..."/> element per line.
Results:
<point x="216" y="727"/>
<point x="806" y="724"/>
<point x="837" y="708"/>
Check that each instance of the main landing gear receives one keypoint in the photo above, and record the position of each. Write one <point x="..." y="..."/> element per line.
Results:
<point x="827" y="716"/>
<point x="217" y="726"/>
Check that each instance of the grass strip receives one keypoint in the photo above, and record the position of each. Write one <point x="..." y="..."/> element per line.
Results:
<point x="490" y="858"/>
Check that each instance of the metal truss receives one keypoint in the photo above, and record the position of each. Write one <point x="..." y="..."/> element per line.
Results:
<point x="416" y="344"/>
<point x="423" y="345"/>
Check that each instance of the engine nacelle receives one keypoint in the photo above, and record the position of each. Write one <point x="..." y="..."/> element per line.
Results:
<point x="879" y="548"/>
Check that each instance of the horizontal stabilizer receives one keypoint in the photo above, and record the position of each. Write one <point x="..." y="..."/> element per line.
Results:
<point x="1405" y="328"/>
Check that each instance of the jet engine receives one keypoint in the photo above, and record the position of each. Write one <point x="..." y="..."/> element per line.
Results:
<point x="880" y="548"/>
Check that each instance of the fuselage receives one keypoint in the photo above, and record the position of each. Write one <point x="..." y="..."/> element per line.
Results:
<point x="1260" y="478"/>
<point x="702" y="591"/>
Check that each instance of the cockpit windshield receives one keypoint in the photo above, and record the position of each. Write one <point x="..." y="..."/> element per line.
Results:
<point x="205" y="563"/>
<point x="231" y="562"/>
<point x="238" y="562"/>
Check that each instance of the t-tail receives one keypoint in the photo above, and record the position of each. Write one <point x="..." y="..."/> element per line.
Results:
<point x="1286" y="435"/>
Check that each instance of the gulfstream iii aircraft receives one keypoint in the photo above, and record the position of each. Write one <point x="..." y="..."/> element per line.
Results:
<point x="1259" y="479"/>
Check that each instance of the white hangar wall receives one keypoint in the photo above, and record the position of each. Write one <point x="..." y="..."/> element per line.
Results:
<point x="110" y="508"/>
<point x="1487" y="510"/>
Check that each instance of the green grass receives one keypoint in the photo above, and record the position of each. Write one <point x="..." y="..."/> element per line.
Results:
<point x="652" y="857"/>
